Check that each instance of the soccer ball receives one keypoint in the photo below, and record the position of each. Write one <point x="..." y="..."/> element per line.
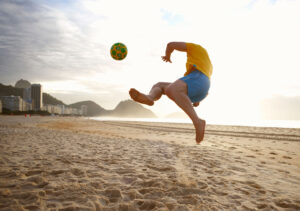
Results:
<point x="118" y="51"/>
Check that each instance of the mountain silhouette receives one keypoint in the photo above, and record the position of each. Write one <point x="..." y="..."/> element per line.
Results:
<point x="10" y="90"/>
<point x="23" y="84"/>
<point x="129" y="108"/>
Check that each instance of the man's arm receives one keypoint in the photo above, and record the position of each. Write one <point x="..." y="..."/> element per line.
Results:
<point x="179" y="46"/>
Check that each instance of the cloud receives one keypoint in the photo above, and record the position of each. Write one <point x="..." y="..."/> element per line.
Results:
<point x="43" y="43"/>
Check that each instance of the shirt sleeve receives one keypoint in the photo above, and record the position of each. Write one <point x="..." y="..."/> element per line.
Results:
<point x="189" y="47"/>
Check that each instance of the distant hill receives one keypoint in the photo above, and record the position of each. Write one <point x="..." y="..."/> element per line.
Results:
<point x="93" y="108"/>
<point x="10" y="90"/>
<point x="50" y="100"/>
<point x="129" y="108"/>
<point x="23" y="84"/>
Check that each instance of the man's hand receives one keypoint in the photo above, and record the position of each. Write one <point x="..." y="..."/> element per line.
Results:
<point x="196" y="104"/>
<point x="166" y="59"/>
<point x="179" y="46"/>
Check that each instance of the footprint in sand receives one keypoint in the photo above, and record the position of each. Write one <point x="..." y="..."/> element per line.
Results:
<point x="235" y="168"/>
<point x="39" y="181"/>
<point x="219" y="192"/>
<point x="147" y="204"/>
<point x="34" y="172"/>
<point x="78" y="172"/>
<point x="287" y="204"/>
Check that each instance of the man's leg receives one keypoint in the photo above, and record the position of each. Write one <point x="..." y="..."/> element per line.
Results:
<point x="155" y="94"/>
<point x="177" y="92"/>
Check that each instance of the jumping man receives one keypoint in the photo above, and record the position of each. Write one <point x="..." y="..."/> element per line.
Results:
<point x="187" y="91"/>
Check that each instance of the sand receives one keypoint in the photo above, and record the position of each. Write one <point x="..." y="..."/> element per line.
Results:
<point x="59" y="163"/>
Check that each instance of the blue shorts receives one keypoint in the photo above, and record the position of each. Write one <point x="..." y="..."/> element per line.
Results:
<point x="198" y="85"/>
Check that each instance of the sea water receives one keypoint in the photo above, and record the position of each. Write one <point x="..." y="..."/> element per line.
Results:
<point x="254" y="123"/>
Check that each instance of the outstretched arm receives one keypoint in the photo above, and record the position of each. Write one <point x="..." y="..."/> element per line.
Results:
<point x="179" y="46"/>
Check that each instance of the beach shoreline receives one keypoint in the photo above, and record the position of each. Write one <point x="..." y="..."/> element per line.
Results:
<point x="68" y="163"/>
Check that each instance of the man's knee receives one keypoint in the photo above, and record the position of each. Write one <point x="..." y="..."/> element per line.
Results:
<point x="156" y="85"/>
<point x="161" y="85"/>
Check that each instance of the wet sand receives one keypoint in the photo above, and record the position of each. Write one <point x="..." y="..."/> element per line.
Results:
<point x="58" y="163"/>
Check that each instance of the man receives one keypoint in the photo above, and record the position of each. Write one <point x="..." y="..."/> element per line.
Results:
<point x="187" y="91"/>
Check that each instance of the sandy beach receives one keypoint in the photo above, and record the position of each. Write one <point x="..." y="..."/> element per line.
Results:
<point x="68" y="163"/>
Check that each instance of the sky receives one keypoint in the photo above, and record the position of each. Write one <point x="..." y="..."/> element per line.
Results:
<point x="65" y="46"/>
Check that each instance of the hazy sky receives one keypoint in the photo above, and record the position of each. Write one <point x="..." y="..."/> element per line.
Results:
<point x="64" y="45"/>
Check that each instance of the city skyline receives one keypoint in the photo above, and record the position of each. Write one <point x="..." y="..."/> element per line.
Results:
<point x="26" y="98"/>
<point x="31" y="101"/>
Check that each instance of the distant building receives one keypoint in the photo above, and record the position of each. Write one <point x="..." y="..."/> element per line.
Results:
<point x="36" y="97"/>
<point x="27" y="95"/>
<point x="0" y="107"/>
<point x="84" y="110"/>
<point x="52" y="109"/>
<point x="13" y="103"/>
<point x="62" y="107"/>
<point x="63" y="110"/>
<point x="26" y="106"/>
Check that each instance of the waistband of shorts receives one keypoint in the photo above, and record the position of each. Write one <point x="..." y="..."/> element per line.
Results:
<point x="199" y="71"/>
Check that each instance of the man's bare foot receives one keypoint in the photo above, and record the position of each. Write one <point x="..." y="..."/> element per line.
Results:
<point x="200" y="129"/>
<point x="140" y="97"/>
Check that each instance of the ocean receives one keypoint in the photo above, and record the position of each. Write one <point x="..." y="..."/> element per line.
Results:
<point x="254" y="123"/>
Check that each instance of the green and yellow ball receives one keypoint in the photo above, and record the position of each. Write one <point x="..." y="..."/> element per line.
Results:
<point x="118" y="51"/>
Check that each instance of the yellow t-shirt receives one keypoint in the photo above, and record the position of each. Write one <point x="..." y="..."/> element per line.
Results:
<point x="198" y="58"/>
